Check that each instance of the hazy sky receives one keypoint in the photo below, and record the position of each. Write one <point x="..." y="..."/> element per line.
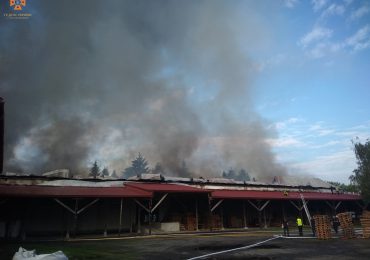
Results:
<point x="274" y="87"/>
<point x="313" y="83"/>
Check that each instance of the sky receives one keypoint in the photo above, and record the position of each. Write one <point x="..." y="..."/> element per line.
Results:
<point x="274" y="87"/>
<point x="313" y="84"/>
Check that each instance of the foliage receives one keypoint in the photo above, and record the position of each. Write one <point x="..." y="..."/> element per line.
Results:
<point x="361" y="176"/>
<point x="243" y="175"/>
<point x="94" y="170"/>
<point x="138" y="166"/>
<point x="344" y="187"/>
<point x="105" y="172"/>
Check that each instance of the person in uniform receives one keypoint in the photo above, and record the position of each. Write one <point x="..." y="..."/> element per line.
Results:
<point x="285" y="227"/>
<point x="300" y="226"/>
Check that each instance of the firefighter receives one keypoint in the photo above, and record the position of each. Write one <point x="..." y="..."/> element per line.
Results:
<point x="285" y="226"/>
<point x="300" y="226"/>
<point x="335" y="224"/>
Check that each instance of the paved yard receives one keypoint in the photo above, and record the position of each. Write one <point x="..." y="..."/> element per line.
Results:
<point x="191" y="245"/>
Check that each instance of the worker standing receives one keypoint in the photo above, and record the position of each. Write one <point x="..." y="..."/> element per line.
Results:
<point x="285" y="227"/>
<point x="300" y="226"/>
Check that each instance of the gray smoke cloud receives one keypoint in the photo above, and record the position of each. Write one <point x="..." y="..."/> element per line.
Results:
<point x="108" y="79"/>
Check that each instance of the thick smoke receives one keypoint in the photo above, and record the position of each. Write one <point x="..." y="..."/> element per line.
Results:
<point x="108" y="79"/>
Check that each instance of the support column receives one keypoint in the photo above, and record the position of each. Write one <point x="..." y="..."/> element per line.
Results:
<point x="131" y="214"/>
<point x="244" y="216"/>
<point x="105" y="234"/>
<point x="259" y="208"/>
<point x="196" y="215"/>
<point x="120" y="218"/>
<point x="138" y="220"/>
<point x="68" y="228"/>
<point x="333" y="206"/>
<point x="222" y="217"/>
<point x="299" y="208"/>
<point x="24" y="221"/>
<point x="75" y="215"/>
<point x="150" y="216"/>
<point x="259" y="214"/>
<point x="210" y="219"/>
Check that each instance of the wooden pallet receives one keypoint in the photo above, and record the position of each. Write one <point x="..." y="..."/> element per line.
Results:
<point x="322" y="227"/>
<point x="365" y="223"/>
<point x="346" y="224"/>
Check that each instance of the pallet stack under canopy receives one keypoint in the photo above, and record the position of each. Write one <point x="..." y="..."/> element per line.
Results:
<point x="190" y="222"/>
<point x="365" y="223"/>
<point x="322" y="226"/>
<point x="346" y="224"/>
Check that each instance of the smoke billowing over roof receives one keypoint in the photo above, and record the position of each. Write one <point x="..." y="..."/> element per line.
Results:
<point x="108" y="79"/>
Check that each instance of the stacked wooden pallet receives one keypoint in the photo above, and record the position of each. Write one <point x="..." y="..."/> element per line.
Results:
<point x="345" y="220"/>
<point x="322" y="226"/>
<point x="365" y="223"/>
<point x="190" y="222"/>
<point x="235" y="222"/>
<point x="216" y="222"/>
<point x="212" y="221"/>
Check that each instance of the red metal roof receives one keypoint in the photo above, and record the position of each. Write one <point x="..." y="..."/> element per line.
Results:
<point x="166" y="187"/>
<point x="279" y="195"/>
<point x="146" y="190"/>
<point x="72" y="191"/>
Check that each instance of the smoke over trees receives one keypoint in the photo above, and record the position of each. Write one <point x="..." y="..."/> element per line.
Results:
<point x="170" y="78"/>
<point x="138" y="166"/>
<point x="95" y="170"/>
<point x="242" y="175"/>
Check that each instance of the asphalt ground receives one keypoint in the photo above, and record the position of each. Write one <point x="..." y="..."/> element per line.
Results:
<point x="186" y="246"/>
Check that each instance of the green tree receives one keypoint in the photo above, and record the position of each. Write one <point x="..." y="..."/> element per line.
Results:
<point x="138" y="166"/>
<point x="105" y="172"/>
<point x="361" y="175"/>
<point x="243" y="175"/>
<point x="95" y="170"/>
<point x="344" y="187"/>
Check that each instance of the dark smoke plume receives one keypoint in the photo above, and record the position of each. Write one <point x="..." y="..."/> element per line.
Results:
<point x="86" y="80"/>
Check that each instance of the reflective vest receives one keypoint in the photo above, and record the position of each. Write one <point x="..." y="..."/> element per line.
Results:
<point x="299" y="222"/>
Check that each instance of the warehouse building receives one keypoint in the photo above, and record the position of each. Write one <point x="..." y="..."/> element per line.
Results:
<point x="54" y="205"/>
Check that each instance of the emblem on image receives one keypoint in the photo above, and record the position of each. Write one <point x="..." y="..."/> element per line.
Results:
<point x="17" y="4"/>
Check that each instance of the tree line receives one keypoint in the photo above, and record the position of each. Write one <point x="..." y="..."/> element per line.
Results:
<point x="359" y="180"/>
<point x="140" y="166"/>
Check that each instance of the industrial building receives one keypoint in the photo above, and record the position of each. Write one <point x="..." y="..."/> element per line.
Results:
<point x="61" y="207"/>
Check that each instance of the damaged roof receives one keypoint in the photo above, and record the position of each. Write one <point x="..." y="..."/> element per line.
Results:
<point x="15" y="186"/>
